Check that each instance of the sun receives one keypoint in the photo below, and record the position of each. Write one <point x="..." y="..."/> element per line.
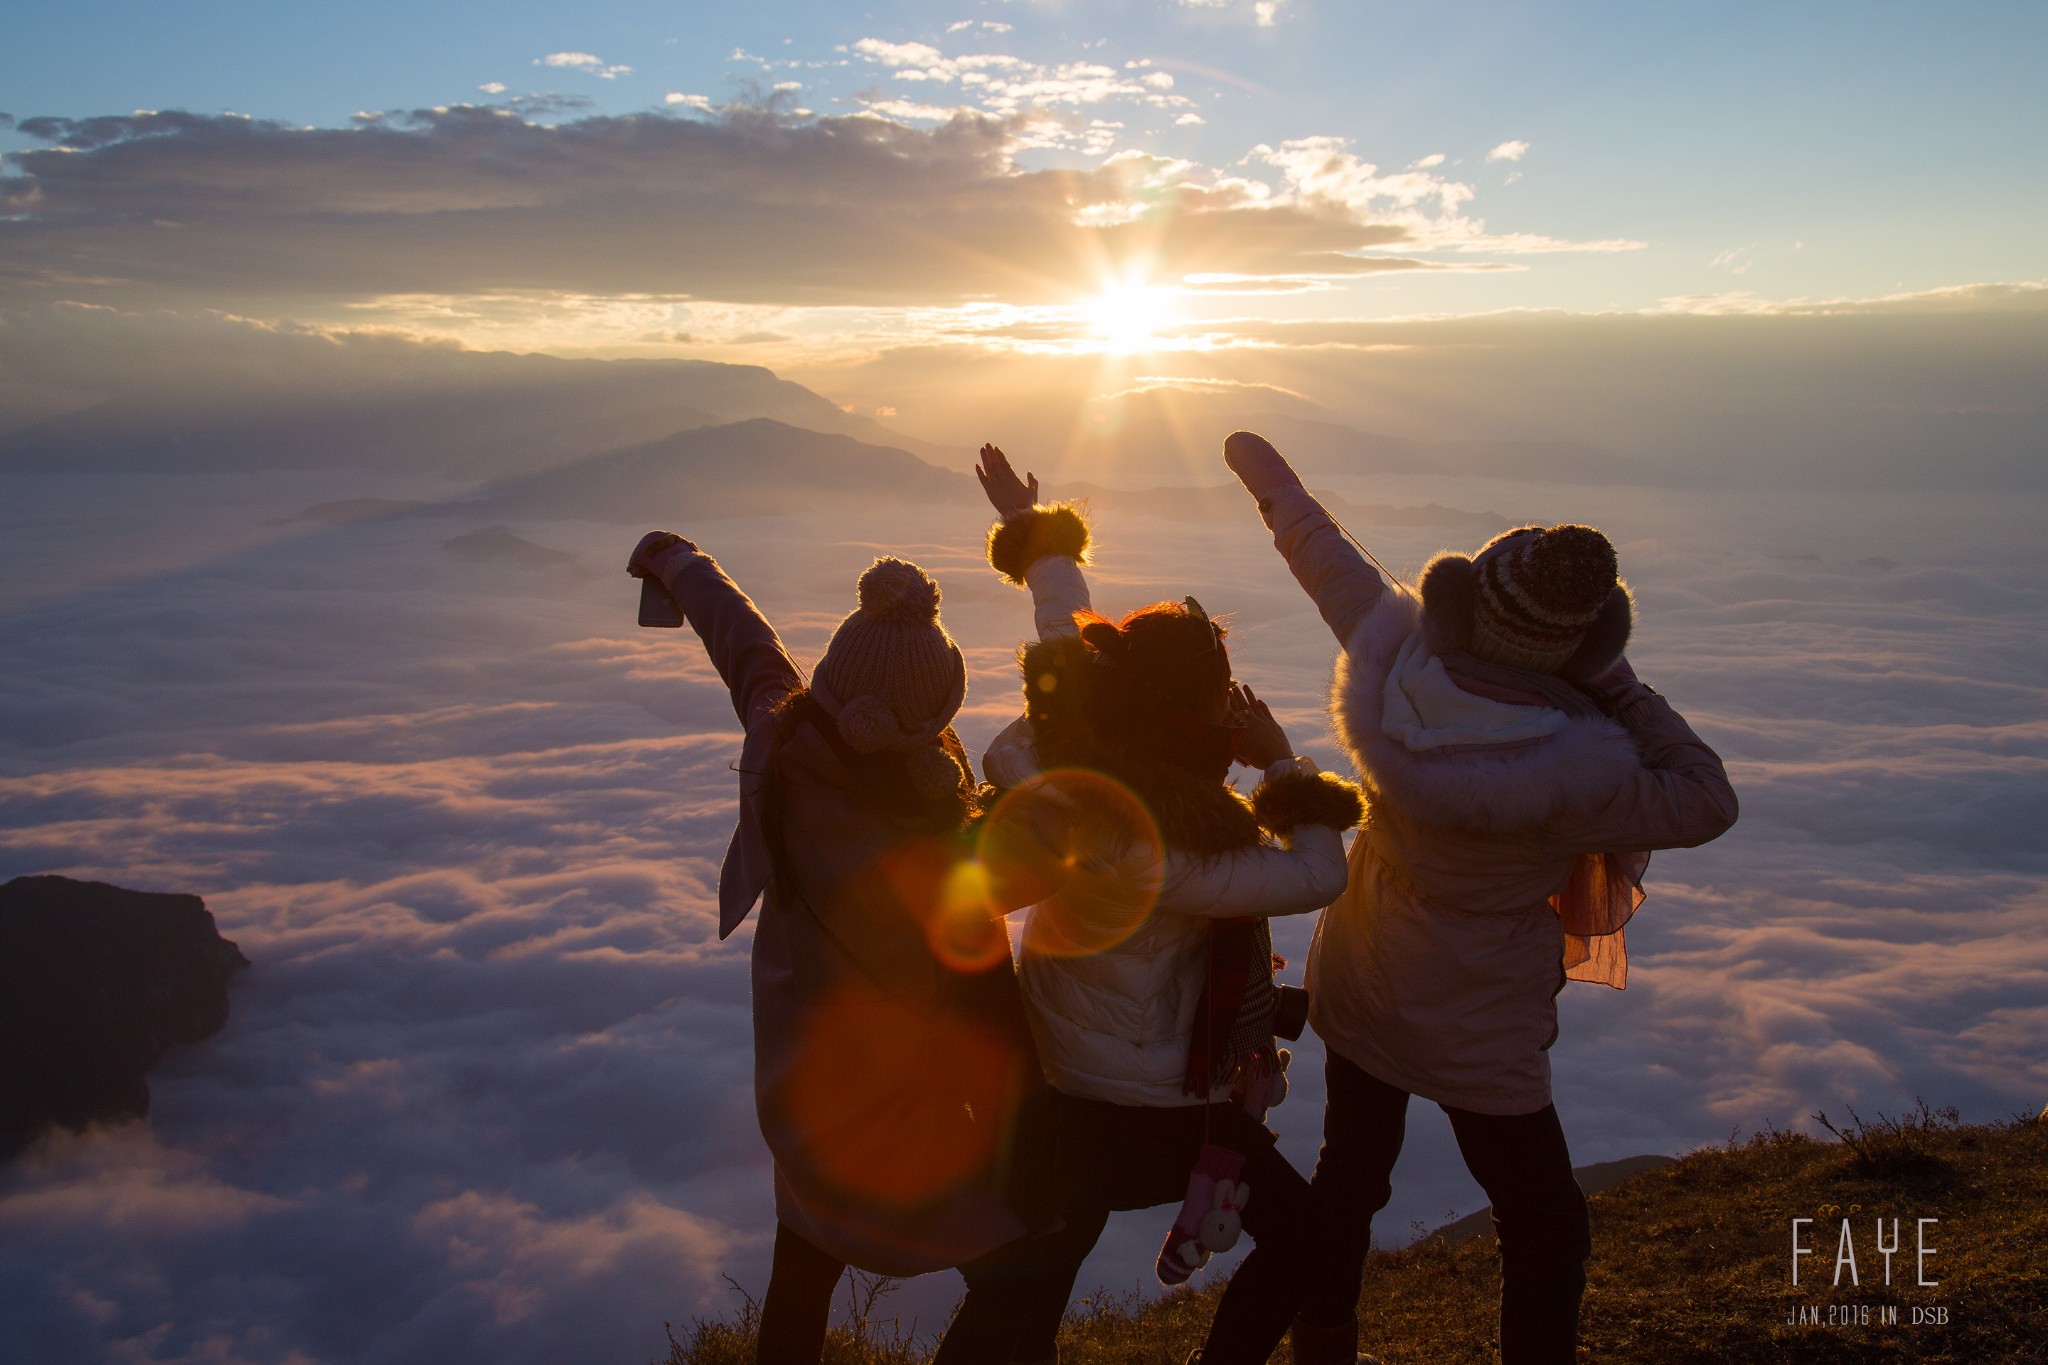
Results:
<point x="1127" y="315"/>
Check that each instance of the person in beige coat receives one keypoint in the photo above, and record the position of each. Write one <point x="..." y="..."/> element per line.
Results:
<point x="1517" y="776"/>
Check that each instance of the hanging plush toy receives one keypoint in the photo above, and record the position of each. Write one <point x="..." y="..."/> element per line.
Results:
<point x="1211" y="1217"/>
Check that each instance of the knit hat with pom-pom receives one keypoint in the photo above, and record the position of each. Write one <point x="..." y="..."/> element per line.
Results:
<point x="892" y="677"/>
<point x="1537" y="594"/>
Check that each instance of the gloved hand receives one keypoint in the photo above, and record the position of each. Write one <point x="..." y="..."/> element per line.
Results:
<point x="1259" y="467"/>
<point x="657" y="554"/>
<point x="1617" y="687"/>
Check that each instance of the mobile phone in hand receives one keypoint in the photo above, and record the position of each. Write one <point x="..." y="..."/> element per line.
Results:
<point x="657" y="608"/>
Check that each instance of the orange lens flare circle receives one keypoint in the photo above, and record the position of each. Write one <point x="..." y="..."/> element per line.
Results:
<point x="894" y="1101"/>
<point x="1083" y="851"/>
<point x="949" y="896"/>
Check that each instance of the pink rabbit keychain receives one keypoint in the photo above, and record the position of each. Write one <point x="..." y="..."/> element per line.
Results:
<point x="1211" y="1217"/>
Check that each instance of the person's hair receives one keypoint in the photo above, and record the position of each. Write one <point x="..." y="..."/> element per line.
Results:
<point x="1140" y="690"/>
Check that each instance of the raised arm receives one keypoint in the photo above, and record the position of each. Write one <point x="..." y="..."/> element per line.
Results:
<point x="743" y="647"/>
<point x="1307" y="811"/>
<point x="1681" y="796"/>
<point x="1337" y="578"/>
<point x="1036" y="546"/>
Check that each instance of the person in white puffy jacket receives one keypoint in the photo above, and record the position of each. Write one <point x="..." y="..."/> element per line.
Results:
<point x="1148" y="980"/>
<point x="1519" y="775"/>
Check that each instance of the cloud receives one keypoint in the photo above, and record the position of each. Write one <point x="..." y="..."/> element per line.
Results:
<point x="1265" y="13"/>
<point x="1509" y="151"/>
<point x="264" y="217"/>
<point x="1736" y="260"/>
<point x="585" y="62"/>
<point x="486" y="1092"/>
<point x="492" y="87"/>
<point x="1921" y="392"/>
<point x="1004" y="85"/>
<point x="1429" y="207"/>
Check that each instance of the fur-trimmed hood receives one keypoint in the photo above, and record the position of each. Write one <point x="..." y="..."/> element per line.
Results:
<point x="1498" y="789"/>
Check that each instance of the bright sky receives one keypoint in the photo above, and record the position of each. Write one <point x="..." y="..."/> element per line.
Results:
<point x="1277" y="160"/>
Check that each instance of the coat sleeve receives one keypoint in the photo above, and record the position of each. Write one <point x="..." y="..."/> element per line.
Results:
<point x="1304" y="874"/>
<point x="1337" y="578"/>
<point x="1059" y="588"/>
<point x="1679" y="798"/>
<point x="743" y="647"/>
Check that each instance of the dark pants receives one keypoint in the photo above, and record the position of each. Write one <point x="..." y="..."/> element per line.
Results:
<point x="798" y="1305"/>
<point x="1520" y="1160"/>
<point x="1111" y="1156"/>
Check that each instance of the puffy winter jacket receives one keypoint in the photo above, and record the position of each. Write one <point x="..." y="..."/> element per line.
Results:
<point x="1115" y="1025"/>
<point x="1437" y="969"/>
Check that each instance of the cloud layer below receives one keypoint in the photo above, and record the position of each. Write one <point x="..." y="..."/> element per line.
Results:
<point x="485" y="1094"/>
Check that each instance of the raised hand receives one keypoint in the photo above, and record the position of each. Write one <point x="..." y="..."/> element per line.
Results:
<point x="1258" y="466"/>
<point x="1264" y="742"/>
<point x="1006" y="492"/>
<point x="651" y="555"/>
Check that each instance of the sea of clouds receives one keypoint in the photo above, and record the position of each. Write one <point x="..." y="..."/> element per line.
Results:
<point x="485" y="1092"/>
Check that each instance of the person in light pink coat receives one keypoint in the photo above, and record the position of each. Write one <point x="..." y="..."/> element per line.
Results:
<point x="1517" y="775"/>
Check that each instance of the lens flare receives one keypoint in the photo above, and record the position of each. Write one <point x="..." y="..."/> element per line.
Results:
<point x="949" y="896"/>
<point x="1082" y="850"/>
<point x="893" y="1100"/>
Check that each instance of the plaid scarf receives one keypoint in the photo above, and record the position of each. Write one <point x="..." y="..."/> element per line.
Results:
<point x="1234" y="1019"/>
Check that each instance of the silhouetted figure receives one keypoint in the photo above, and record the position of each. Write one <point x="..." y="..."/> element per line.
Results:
<point x="1517" y="774"/>
<point x="891" y="1063"/>
<point x="1148" y="973"/>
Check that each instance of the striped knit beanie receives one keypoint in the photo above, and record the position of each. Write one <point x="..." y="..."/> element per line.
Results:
<point x="892" y="677"/>
<point x="1537" y="593"/>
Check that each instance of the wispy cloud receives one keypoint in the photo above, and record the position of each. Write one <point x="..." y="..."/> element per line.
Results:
<point x="586" y="62"/>
<point x="1427" y="208"/>
<point x="1509" y="151"/>
<point x="1736" y="260"/>
<point x="1265" y="13"/>
<point x="1002" y="84"/>
<point x="481" y="199"/>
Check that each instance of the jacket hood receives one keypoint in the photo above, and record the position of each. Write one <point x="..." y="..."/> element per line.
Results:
<point x="1499" y="789"/>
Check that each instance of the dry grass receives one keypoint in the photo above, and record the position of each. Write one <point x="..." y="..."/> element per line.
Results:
<point x="1691" y="1265"/>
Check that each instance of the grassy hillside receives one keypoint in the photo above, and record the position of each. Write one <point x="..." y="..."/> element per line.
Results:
<point x="1691" y="1263"/>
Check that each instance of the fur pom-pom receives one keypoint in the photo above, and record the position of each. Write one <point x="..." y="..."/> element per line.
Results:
<point x="1450" y="594"/>
<point x="1287" y="803"/>
<point x="1021" y="538"/>
<point x="897" y="590"/>
<point x="933" y="771"/>
<point x="869" y="725"/>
